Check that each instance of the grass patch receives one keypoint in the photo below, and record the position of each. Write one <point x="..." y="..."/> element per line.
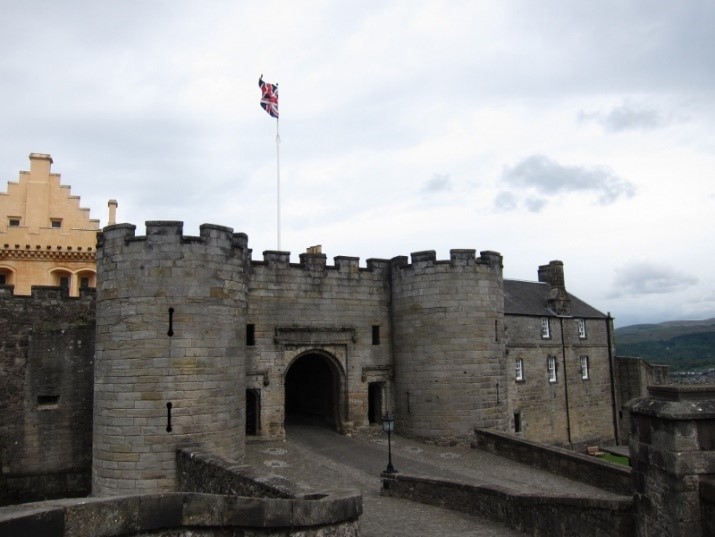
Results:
<point x="616" y="459"/>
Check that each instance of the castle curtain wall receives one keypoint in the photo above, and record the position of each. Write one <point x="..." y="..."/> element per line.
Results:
<point x="46" y="364"/>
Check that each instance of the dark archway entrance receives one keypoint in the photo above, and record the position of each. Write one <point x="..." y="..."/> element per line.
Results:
<point x="312" y="391"/>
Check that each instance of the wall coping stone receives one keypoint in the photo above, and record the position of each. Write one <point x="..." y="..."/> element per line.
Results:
<point x="137" y="514"/>
<point x="674" y="409"/>
<point x="559" y="461"/>
<point x="539" y="514"/>
<point x="683" y="392"/>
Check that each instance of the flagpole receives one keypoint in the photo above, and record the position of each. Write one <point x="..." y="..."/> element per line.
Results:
<point x="278" y="184"/>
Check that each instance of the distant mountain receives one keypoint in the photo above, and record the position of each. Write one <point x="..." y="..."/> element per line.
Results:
<point x="683" y="345"/>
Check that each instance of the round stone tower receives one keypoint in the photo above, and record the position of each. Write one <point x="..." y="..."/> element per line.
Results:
<point x="448" y="330"/>
<point x="170" y="352"/>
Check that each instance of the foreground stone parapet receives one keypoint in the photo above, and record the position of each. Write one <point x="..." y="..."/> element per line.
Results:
<point x="672" y="448"/>
<point x="186" y="514"/>
<point x="559" y="461"/>
<point x="544" y="514"/>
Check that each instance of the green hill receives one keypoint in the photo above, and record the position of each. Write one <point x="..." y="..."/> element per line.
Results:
<point x="682" y="345"/>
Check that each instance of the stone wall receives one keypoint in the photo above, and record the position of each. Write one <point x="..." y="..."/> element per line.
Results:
<point x="449" y="357"/>
<point x="672" y="448"/>
<point x="572" y="411"/>
<point x="183" y="514"/>
<point x="559" y="461"/>
<point x="633" y="376"/>
<point x="538" y="515"/>
<point x="46" y="374"/>
<point x="200" y="472"/>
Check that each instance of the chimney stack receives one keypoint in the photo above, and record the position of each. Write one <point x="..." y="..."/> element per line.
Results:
<point x="112" y="212"/>
<point x="40" y="165"/>
<point x="553" y="274"/>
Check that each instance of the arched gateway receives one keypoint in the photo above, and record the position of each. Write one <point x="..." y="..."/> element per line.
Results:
<point x="315" y="390"/>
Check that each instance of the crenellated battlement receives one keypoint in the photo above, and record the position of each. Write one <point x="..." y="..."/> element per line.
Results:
<point x="47" y="292"/>
<point x="166" y="233"/>
<point x="458" y="258"/>
<point x="316" y="263"/>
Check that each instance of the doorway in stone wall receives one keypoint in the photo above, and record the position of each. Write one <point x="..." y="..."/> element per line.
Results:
<point x="374" y="401"/>
<point x="253" y="412"/>
<point x="313" y="388"/>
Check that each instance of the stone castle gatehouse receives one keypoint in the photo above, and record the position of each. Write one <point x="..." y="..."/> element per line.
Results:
<point x="198" y="342"/>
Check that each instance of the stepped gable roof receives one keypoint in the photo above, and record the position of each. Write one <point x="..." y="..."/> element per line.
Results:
<point x="531" y="298"/>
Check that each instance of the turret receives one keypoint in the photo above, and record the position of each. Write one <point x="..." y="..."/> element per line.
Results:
<point x="170" y="364"/>
<point x="449" y="357"/>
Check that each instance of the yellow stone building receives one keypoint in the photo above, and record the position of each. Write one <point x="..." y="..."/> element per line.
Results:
<point x="46" y="238"/>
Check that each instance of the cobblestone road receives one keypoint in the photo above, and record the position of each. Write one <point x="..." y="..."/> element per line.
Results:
<point x="317" y="458"/>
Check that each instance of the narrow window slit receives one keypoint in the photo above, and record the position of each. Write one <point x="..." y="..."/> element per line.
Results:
<point x="168" y="417"/>
<point x="171" y="324"/>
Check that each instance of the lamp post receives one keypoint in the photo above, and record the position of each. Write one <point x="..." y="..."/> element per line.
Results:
<point x="388" y="425"/>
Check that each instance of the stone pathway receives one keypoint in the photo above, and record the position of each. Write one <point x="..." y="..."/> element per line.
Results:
<point x="317" y="458"/>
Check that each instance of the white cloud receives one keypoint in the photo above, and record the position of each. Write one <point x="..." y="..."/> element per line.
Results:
<point x="549" y="178"/>
<point x="626" y="117"/>
<point x="644" y="278"/>
<point x="505" y="201"/>
<point x="438" y="183"/>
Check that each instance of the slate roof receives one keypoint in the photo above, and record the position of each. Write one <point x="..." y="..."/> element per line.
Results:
<point x="531" y="298"/>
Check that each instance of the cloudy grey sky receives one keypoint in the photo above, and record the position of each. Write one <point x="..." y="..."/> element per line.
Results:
<point x="581" y="131"/>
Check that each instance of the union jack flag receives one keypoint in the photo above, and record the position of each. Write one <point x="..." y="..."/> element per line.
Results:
<point x="269" y="97"/>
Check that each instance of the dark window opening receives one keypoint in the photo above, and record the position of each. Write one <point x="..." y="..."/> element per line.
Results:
<point x="56" y="223"/>
<point x="47" y="401"/>
<point x="517" y="422"/>
<point x="65" y="282"/>
<point x="250" y="335"/>
<point x="2" y="279"/>
<point x="253" y="412"/>
<point x="376" y="334"/>
<point x="374" y="401"/>
<point x="13" y="222"/>
<point x="84" y="282"/>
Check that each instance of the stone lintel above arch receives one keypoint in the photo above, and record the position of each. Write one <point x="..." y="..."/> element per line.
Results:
<point x="314" y="335"/>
